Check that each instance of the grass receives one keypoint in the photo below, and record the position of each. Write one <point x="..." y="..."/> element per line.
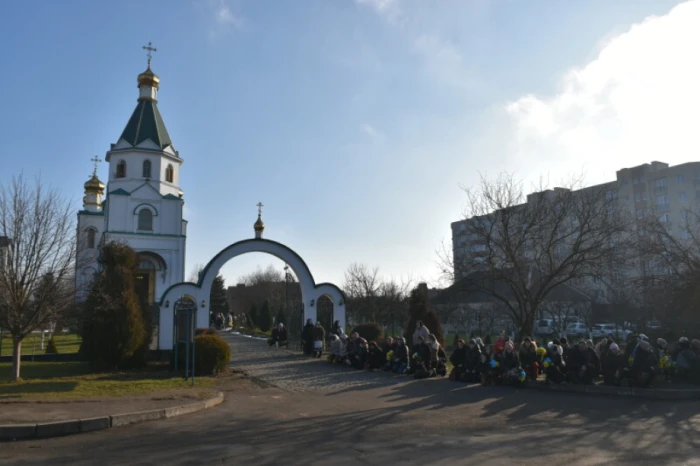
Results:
<point x="72" y="380"/>
<point x="65" y="344"/>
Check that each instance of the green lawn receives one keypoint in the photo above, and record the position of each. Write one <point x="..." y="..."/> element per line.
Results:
<point x="65" y="344"/>
<point x="71" y="380"/>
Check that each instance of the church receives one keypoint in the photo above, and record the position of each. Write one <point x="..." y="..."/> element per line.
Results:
<point x="142" y="203"/>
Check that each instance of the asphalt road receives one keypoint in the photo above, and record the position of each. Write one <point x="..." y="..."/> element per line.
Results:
<point x="374" y="418"/>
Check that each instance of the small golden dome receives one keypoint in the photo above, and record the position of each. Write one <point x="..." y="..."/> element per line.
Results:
<point x="148" y="78"/>
<point x="259" y="225"/>
<point x="94" y="183"/>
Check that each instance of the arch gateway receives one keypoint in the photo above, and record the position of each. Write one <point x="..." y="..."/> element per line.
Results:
<point x="310" y="290"/>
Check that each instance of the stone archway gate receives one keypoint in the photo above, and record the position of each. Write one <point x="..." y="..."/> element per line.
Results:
<point x="310" y="291"/>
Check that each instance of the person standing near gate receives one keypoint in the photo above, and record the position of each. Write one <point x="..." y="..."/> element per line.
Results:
<point x="307" y="337"/>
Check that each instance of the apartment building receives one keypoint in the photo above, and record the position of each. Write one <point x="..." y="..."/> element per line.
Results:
<point x="655" y="188"/>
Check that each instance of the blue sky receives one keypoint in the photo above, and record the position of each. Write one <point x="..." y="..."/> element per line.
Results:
<point x="354" y="122"/>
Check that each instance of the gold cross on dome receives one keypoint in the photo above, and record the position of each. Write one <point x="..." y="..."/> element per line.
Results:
<point x="260" y="206"/>
<point x="148" y="54"/>
<point x="95" y="160"/>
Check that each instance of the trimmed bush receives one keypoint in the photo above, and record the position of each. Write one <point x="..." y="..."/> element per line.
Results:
<point x="51" y="346"/>
<point x="212" y="354"/>
<point x="370" y="331"/>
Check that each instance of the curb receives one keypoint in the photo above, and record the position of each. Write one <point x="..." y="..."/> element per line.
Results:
<point x="627" y="392"/>
<point x="77" y="426"/>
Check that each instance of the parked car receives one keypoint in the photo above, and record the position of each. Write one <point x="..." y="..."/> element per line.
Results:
<point x="577" y="329"/>
<point x="544" y="327"/>
<point x="653" y="325"/>
<point x="605" y="330"/>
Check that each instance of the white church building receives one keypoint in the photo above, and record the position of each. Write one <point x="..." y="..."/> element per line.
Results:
<point x="142" y="206"/>
<point x="142" y="203"/>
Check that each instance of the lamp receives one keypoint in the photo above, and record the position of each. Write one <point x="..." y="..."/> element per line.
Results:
<point x="313" y="301"/>
<point x="204" y="303"/>
<point x="167" y="304"/>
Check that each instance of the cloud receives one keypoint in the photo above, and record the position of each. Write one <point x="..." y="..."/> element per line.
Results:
<point x="637" y="101"/>
<point x="443" y="62"/>
<point x="372" y="132"/>
<point x="389" y="9"/>
<point x="225" y="16"/>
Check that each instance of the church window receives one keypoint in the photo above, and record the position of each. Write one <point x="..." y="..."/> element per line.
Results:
<point x="169" y="174"/>
<point x="91" y="238"/>
<point x="121" y="169"/>
<point x="146" y="168"/>
<point x="145" y="220"/>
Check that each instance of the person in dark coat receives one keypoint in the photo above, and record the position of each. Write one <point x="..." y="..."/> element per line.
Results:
<point x="510" y="365"/>
<point x="420" y="360"/>
<point x="529" y="358"/>
<point x="644" y="365"/>
<point x="278" y="336"/>
<point x="307" y="337"/>
<point x="613" y="364"/>
<point x="581" y="367"/>
<point x="595" y="359"/>
<point x="375" y="357"/>
<point x="472" y="362"/>
<point x="458" y="360"/>
<point x="360" y="356"/>
<point x="400" y="361"/>
<point x="336" y="329"/>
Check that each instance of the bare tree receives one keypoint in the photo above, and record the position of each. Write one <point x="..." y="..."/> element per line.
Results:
<point x="519" y="249"/>
<point x="371" y="298"/>
<point x="362" y="288"/>
<point x="36" y="284"/>
<point x="195" y="273"/>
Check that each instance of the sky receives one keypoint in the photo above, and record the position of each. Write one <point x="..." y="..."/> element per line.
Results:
<point x="356" y="122"/>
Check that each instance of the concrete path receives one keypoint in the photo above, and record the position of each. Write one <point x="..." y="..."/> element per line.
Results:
<point x="373" y="418"/>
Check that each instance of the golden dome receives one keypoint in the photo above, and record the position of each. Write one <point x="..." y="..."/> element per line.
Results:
<point x="94" y="183"/>
<point x="148" y="78"/>
<point x="259" y="225"/>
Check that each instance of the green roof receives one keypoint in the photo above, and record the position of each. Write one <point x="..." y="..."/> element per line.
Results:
<point x="146" y="123"/>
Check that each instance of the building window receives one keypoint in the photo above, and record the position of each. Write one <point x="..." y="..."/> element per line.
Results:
<point x="638" y="180"/>
<point x="146" y="168"/>
<point x="680" y="179"/>
<point x="169" y="174"/>
<point x="661" y="200"/>
<point x="641" y="196"/>
<point x="145" y="220"/>
<point x="661" y="183"/>
<point x="91" y="238"/>
<point x="683" y="197"/>
<point x="121" y="169"/>
<point x="664" y="218"/>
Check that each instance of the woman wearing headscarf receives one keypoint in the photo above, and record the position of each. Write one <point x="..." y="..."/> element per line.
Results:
<point x="613" y="365"/>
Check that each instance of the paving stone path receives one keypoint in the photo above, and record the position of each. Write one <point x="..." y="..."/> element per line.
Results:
<point x="292" y="371"/>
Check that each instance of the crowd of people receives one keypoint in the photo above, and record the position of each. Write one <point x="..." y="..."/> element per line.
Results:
<point x="501" y="363"/>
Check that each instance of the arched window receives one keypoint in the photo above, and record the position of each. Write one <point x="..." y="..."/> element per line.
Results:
<point x="145" y="220"/>
<point x="91" y="238"/>
<point x="146" y="168"/>
<point x="121" y="169"/>
<point x="169" y="174"/>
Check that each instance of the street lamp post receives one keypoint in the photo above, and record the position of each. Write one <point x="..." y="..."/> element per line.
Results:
<point x="286" y="289"/>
